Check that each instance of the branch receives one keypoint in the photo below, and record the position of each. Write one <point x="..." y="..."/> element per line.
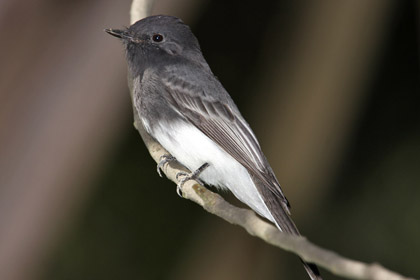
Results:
<point x="253" y="224"/>
<point x="140" y="9"/>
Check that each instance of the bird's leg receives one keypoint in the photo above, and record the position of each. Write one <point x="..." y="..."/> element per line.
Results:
<point x="189" y="176"/>
<point x="162" y="161"/>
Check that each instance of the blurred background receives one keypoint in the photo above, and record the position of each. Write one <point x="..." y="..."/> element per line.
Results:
<point x="330" y="88"/>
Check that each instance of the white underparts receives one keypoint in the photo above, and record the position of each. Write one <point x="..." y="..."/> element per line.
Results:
<point x="192" y="148"/>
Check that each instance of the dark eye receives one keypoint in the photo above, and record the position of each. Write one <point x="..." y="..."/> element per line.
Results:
<point x="157" y="38"/>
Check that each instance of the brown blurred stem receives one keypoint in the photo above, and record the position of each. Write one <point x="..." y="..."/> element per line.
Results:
<point x="253" y="224"/>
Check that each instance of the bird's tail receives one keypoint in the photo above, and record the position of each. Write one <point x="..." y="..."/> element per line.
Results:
<point x="288" y="226"/>
<point x="312" y="270"/>
<point x="280" y="213"/>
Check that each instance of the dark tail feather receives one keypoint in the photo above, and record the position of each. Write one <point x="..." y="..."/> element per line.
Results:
<point x="312" y="270"/>
<point x="285" y="224"/>
<point x="279" y="211"/>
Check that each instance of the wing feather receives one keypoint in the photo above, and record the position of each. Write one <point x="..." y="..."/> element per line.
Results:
<point x="221" y="121"/>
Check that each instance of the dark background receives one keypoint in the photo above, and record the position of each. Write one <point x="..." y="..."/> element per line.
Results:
<point x="330" y="88"/>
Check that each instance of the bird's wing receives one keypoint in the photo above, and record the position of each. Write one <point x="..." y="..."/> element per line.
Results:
<point x="219" y="119"/>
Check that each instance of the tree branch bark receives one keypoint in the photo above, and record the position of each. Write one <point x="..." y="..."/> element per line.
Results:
<point x="253" y="224"/>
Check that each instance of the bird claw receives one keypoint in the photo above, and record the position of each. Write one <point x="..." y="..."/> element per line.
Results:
<point x="162" y="161"/>
<point x="179" y="188"/>
<point x="189" y="176"/>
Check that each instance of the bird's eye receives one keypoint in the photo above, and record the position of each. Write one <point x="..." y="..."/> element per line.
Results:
<point x="157" y="38"/>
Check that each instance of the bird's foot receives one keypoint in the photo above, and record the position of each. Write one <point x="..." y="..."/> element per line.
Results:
<point x="189" y="176"/>
<point x="162" y="161"/>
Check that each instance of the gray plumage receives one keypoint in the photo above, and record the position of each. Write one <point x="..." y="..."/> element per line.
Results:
<point x="186" y="109"/>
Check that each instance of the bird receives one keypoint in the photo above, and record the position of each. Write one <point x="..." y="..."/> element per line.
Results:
<point x="185" y="108"/>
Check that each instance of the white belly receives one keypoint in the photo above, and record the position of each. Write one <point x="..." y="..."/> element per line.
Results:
<point x="192" y="149"/>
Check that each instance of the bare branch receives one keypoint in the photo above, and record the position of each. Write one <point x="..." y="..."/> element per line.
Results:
<point x="140" y="9"/>
<point x="247" y="219"/>
<point x="255" y="226"/>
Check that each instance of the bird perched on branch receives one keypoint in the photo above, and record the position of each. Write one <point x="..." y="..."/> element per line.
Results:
<point x="185" y="108"/>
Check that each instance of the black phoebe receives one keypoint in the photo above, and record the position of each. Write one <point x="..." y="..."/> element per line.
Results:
<point x="184" y="107"/>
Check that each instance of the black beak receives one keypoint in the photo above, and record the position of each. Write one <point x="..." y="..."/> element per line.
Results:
<point x="122" y="34"/>
<point x="116" y="33"/>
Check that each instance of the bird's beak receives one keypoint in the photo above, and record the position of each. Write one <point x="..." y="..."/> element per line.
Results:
<point x="117" y="33"/>
<point x="122" y="34"/>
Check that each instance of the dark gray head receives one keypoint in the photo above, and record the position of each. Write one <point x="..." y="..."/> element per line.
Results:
<point x="157" y="39"/>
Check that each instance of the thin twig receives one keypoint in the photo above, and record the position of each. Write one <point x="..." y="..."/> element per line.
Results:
<point x="247" y="219"/>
